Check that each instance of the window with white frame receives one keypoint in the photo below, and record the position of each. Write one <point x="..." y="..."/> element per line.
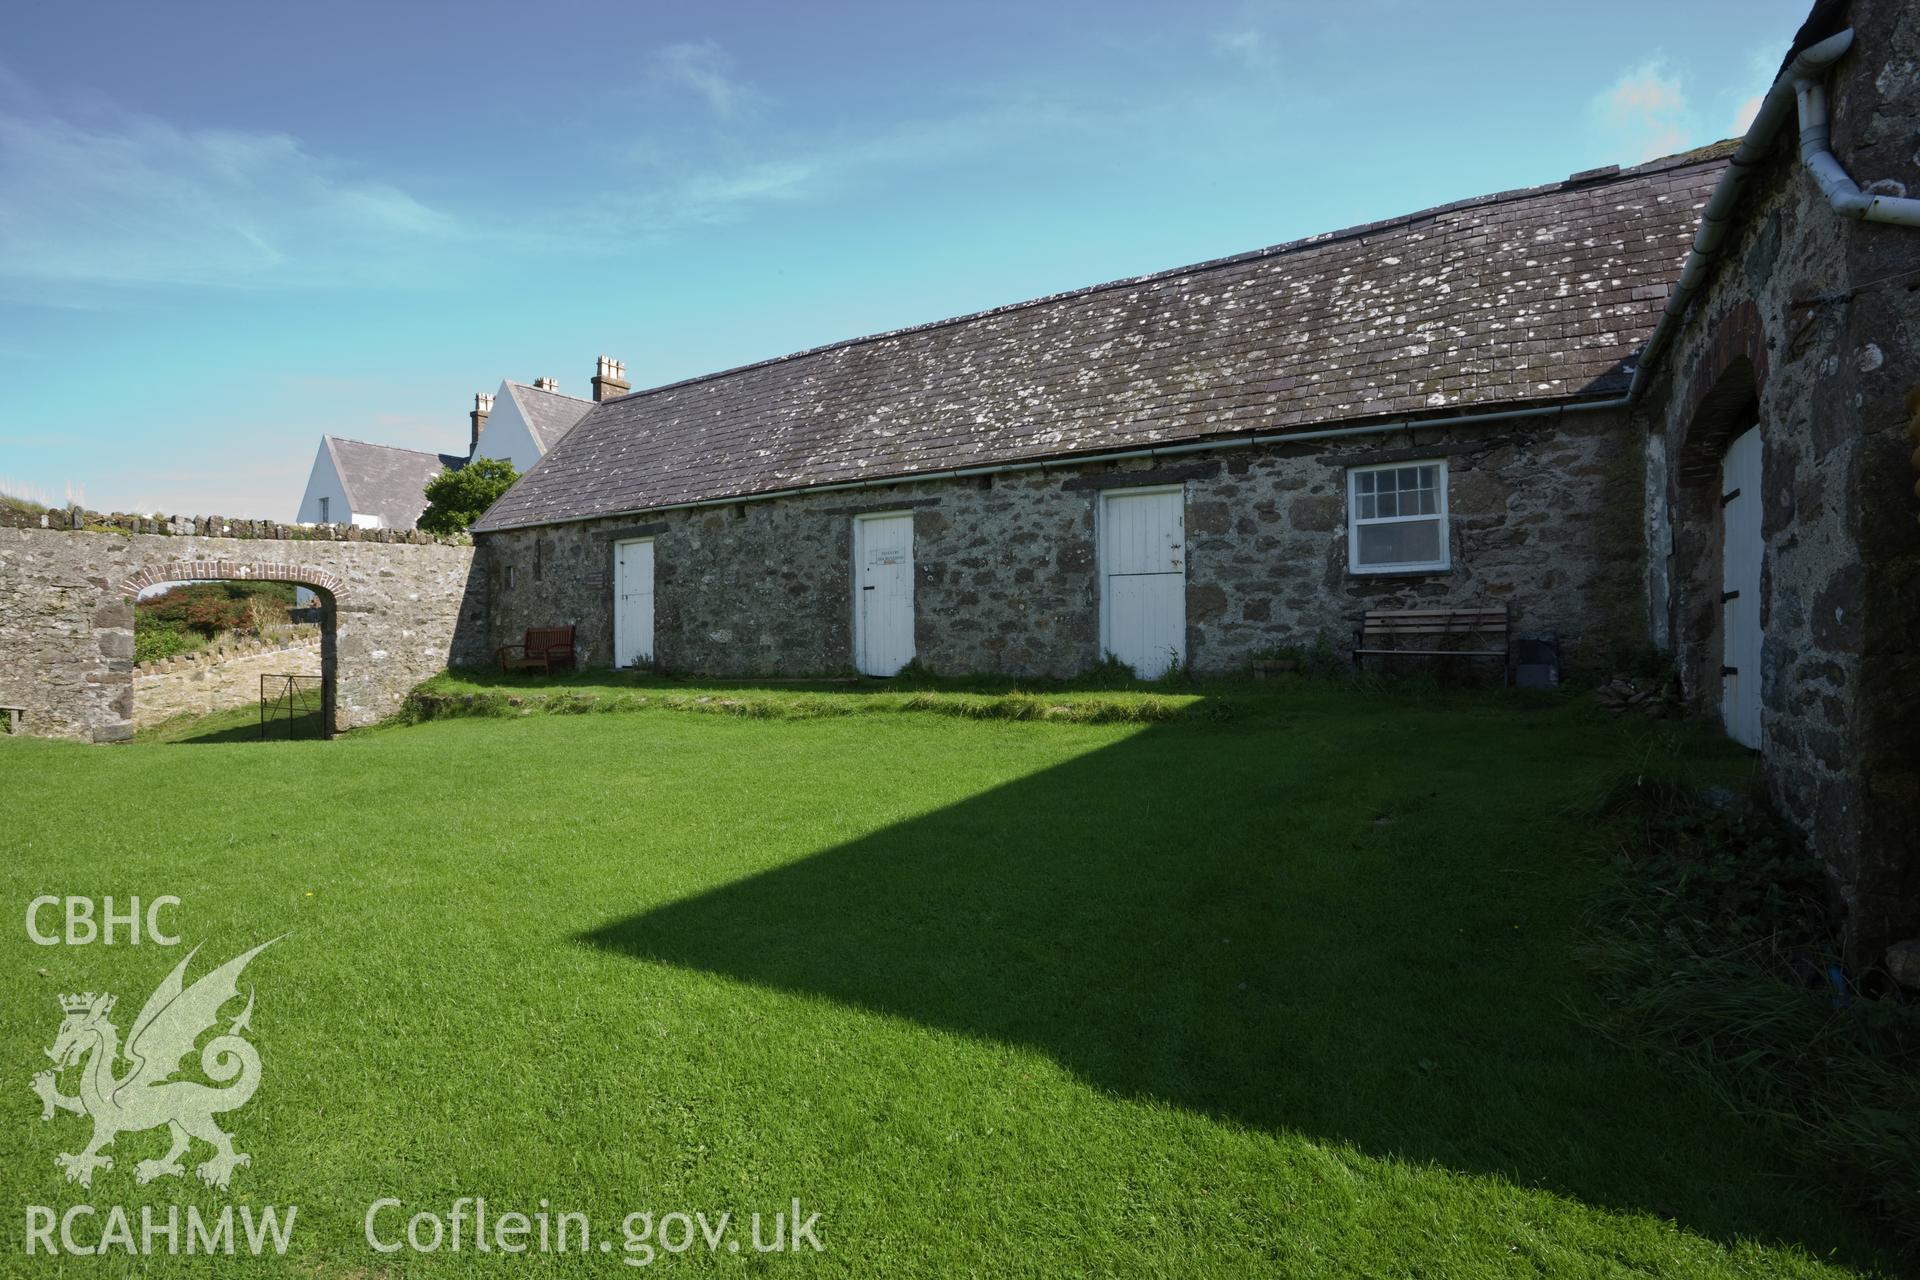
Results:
<point x="1397" y="518"/>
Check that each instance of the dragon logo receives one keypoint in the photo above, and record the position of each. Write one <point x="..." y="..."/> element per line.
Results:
<point x="147" y="1096"/>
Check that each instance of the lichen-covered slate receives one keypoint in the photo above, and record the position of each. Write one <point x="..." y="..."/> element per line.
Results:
<point x="1539" y="295"/>
<point x="383" y="481"/>
<point x="549" y="414"/>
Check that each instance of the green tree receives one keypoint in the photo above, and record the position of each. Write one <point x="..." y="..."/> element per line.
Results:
<point x="455" y="499"/>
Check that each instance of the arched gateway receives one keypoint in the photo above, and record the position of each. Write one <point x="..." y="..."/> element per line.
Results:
<point x="396" y="607"/>
<point x="327" y="588"/>
<point x="226" y="570"/>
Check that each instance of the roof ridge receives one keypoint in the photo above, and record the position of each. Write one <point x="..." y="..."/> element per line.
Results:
<point x="564" y="395"/>
<point x="397" y="448"/>
<point x="1585" y="181"/>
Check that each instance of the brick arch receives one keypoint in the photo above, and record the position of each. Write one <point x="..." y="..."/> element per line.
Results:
<point x="1723" y="392"/>
<point x="233" y="570"/>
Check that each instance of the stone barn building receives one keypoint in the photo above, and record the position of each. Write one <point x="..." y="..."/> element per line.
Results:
<point x="1624" y="422"/>
<point x="1191" y="466"/>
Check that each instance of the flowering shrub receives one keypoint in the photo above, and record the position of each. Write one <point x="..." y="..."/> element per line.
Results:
<point x="210" y="608"/>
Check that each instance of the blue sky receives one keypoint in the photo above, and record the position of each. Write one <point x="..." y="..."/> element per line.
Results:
<point x="226" y="229"/>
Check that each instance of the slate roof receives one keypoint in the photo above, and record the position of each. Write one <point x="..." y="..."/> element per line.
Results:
<point x="383" y="481"/>
<point x="549" y="414"/>
<point x="1538" y="295"/>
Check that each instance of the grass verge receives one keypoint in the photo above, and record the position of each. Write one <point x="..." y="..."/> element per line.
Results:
<point x="453" y="696"/>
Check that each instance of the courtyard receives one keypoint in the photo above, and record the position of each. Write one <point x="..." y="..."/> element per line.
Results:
<point x="1185" y="983"/>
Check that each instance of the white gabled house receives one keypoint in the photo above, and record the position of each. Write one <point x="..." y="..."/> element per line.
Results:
<point x="519" y="423"/>
<point x="377" y="486"/>
<point x="374" y="486"/>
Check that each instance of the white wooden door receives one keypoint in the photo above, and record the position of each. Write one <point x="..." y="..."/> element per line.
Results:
<point x="633" y="603"/>
<point x="1740" y="550"/>
<point x="1143" y="569"/>
<point x="883" y="593"/>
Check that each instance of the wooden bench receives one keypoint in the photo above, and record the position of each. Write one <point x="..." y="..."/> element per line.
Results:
<point x="1380" y="627"/>
<point x="546" y="650"/>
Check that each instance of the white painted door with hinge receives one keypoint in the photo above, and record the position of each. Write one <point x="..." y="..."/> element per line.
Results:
<point x="1143" y="571"/>
<point x="633" y="603"/>
<point x="883" y="593"/>
<point x="1741" y="548"/>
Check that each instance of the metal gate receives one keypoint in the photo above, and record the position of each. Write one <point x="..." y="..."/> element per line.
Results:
<point x="288" y="699"/>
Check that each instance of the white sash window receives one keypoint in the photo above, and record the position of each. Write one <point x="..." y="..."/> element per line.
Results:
<point x="1397" y="518"/>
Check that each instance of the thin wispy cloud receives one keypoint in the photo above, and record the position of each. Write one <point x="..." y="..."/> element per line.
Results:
<point x="1251" y="47"/>
<point x="706" y="71"/>
<point x="679" y="189"/>
<point x="1645" y="113"/>
<point x="1268" y="39"/>
<point x="110" y="198"/>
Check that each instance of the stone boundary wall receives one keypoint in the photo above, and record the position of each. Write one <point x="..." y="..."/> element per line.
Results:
<point x="397" y="607"/>
<point x="77" y="519"/>
<point x="205" y="682"/>
<point x="227" y="649"/>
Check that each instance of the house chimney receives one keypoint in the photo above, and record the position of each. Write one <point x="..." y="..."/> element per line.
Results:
<point x="482" y="406"/>
<point x="610" y="380"/>
<point x="546" y="384"/>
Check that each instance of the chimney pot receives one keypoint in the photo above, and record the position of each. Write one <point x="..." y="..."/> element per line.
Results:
<point x="547" y="384"/>
<point x="610" y="379"/>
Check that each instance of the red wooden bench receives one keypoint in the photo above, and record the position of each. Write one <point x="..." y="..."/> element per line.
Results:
<point x="546" y="650"/>
<point x="1427" y="627"/>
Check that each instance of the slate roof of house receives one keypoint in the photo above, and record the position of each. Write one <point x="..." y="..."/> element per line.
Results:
<point x="383" y="481"/>
<point x="549" y="414"/>
<point x="1537" y="295"/>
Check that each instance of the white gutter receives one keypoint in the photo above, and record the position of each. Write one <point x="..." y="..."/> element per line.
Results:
<point x="1801" y="84"/>
<point x="1842" y="192"/>
<point x="1087" y="459"/>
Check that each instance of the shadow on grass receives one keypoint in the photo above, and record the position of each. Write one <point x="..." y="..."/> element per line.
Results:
<point x="1357" y="931"/>
<point x="242" y="725"/>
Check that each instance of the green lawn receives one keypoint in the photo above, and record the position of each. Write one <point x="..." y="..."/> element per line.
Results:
<point x="1288" y="992"/>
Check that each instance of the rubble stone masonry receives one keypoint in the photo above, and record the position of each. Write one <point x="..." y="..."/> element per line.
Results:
<point x="1810" y="327"/>
<point x="393" y="611"/>
<point x="1545" y="519"/>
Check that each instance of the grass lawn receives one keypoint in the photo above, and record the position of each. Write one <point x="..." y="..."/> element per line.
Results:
<point x="1283" y="993"/>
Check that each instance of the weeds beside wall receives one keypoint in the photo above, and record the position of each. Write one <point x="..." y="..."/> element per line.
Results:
<point x="1716" y="950"/>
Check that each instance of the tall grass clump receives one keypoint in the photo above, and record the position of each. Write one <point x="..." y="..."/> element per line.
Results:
<point x="432" y="701"/>
<point x="1714" y="949"/>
